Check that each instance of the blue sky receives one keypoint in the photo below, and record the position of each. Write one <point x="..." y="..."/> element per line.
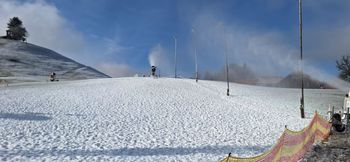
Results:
<point x="118" y="36"/>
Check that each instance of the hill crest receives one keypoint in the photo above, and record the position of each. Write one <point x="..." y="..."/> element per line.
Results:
<point x="21" y="61"/>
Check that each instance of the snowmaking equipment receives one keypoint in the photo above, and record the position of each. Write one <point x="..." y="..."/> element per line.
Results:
<point x="345" y="114"/>
<point x="153" y="71"/>
<point x="52" y="77"/>
<point x="341" y="120"/>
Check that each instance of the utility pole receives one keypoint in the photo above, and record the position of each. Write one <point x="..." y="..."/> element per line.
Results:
<point x="301" y="60"/>
<point x="175" y="43"/>
<point x="195" y="53"/>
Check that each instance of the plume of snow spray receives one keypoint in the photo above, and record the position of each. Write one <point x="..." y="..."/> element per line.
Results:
<point x="266" y="50"/>
<point x="332" y="80"/>
<point x="155" y="55"/>
<point x="158" y="57"/>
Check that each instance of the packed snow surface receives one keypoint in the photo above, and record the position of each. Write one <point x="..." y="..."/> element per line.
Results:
<point x="146" y="119"/>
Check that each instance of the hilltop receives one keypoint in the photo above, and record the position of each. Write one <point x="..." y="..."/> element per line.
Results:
<point x="20" y="62"/>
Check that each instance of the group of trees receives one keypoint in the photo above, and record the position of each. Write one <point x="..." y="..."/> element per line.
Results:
<point x="16" y="30"/>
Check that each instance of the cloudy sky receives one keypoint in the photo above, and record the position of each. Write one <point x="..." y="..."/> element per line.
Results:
<point x="122" y="37"/>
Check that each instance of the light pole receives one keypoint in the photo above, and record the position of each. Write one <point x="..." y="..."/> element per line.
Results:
<point x="301" y="60"/>
<point x="226" y="57"/>
<point x="175" y="44"/>
<point x="195" y="53"/>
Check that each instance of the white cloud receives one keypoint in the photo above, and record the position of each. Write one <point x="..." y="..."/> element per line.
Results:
<point x="48" y="28"/>
<point x="45" y="25"/>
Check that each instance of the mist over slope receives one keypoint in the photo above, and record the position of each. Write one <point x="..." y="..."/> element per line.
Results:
<point x="237" y="73"/>
<point x="21" y="61"/>
<point x="244" y="74"/>
<point x="293" y="80"/>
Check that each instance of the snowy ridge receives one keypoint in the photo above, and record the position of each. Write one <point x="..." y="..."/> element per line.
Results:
<point x="21" y="61"/>
<point x="145" y="119"/>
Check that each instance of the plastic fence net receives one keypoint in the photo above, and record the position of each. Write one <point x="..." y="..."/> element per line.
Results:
<point x="292" y="145"/>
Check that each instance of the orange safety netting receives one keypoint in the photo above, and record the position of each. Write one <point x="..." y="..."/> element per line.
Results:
<point x="292" y="145"/>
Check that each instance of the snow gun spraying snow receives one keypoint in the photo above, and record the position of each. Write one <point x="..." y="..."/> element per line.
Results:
<point x="52" y="77"/>
<point x="153" y="71"/>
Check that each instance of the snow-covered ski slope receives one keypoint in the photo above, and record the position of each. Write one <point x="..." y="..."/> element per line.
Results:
<point x="146" y="119"/>
<point x="25" y="62"/>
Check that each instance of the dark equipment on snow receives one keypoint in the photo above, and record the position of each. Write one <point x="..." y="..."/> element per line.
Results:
<point x="337" y="124"/>
<point x="52" y="77"/>
<point x="153" y="71"/>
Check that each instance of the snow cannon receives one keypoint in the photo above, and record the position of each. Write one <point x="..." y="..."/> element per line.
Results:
<point x="337" y="123"/>
<point x="52" y="77"/>
<point x="345" y="111"/>
<point x="153" y="71"/>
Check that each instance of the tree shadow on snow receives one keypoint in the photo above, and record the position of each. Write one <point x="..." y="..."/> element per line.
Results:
<point x="24" y="116"/>
<point x="165" y="151"/>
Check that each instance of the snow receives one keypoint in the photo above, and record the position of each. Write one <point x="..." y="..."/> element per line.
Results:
<point x="25" y="62"/>
<point x="146" y="119"/>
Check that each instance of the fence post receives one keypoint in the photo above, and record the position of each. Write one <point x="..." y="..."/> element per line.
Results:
<point x="347" y="120"/>
<point x="228" y="157"/>
<point x="329" y="112"/>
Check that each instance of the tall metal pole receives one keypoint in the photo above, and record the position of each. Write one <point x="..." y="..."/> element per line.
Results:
<point x="301" y="60"/>
<point x="228" y="84"/>
<point x="195" y="53"/>
<point x="175" y="43"/>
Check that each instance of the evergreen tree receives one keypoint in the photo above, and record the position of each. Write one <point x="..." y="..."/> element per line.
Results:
<point x="16" y="29"/>
<point x="343" y="66"/>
